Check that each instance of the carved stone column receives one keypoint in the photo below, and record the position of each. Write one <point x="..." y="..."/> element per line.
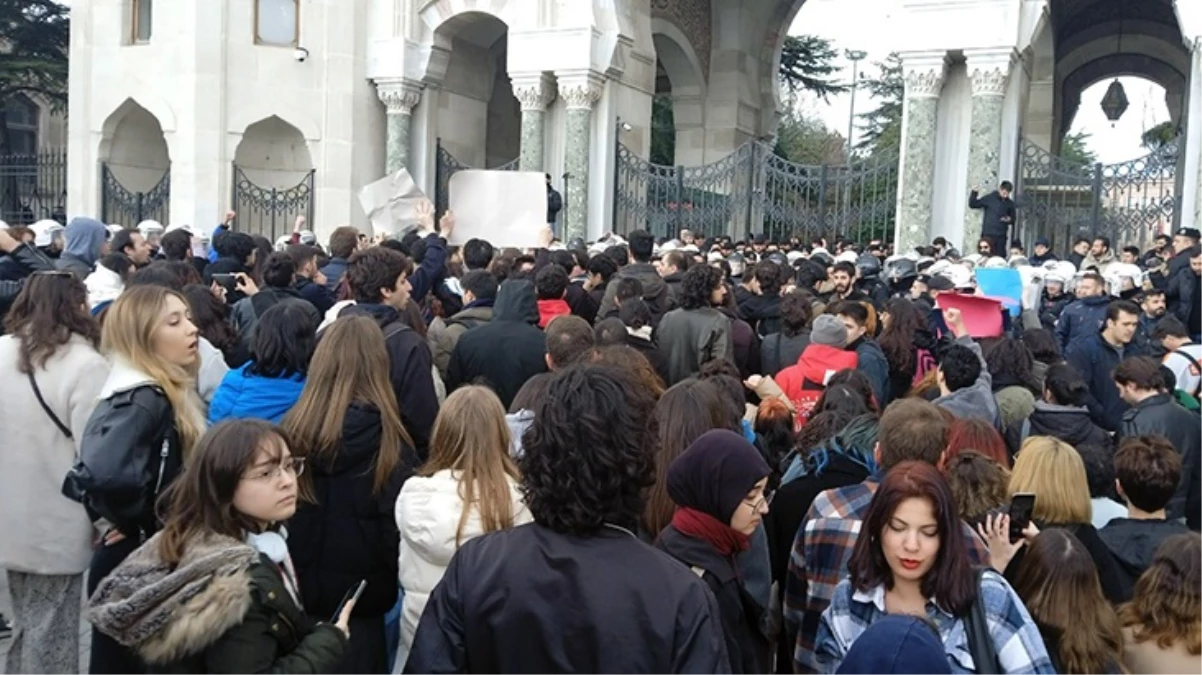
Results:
<point x="400" y="97"/>
<point x="535" y="93"/>
<point x="924" y="83"/>
<point x="989" y="73"/>
<point x="580" y="92"/>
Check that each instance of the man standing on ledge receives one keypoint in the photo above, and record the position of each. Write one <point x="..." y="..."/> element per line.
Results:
<point x="554" y="204"/>
<point x="999" y="214"/>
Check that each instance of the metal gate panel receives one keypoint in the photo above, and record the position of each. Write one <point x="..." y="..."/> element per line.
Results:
<point x="33" y="187"/>
<point x="122" y="206"/>
<point x="269" y="211"/>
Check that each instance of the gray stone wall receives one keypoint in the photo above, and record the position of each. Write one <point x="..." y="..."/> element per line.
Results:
<point x="579" y="131"/>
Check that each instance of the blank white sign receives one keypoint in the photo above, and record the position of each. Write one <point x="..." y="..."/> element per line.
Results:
<point x="506" y="208"/>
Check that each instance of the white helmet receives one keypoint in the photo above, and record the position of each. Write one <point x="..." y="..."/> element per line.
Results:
<point x="44" y="232"/>
<point x="149" y="227"/>
<point x="995" y="263"/>
<point x="1117" y="272"/>
<point x="960" y="275"/>
<point x="114" y="229"/>
<point x="282" y="242"/>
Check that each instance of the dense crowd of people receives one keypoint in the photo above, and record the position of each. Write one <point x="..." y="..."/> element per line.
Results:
<point x="392" y="454"/>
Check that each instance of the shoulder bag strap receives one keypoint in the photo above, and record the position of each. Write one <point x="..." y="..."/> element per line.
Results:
<point x="49" y="413"/>
<point x="976" y="627"/>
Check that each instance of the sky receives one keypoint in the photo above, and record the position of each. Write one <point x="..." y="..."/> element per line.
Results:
<point x="870" y="31"/>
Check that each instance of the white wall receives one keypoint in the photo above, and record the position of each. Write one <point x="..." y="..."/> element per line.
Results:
<point x="137" y="154"/>
<point x="949" y="197"/>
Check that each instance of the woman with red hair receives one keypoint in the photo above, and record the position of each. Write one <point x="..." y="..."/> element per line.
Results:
<point x="909" y="559"/>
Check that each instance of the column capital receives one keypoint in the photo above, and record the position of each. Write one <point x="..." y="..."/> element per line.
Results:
<point x="534" y="91"/>
<point x="924" y="73"/>
<point x="989" y="70"/>
<point x="399" y="96"/>
<point x="580" y="90"/>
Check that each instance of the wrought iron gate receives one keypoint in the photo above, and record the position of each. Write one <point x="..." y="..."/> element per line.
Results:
<point x="122" y="206"/>
<point x="1129" y="202"/>
<point x="270" y="211"/>
<point x="754" y="190"/>
<point x="33" y="187"/>
<point x="447" y="165"/>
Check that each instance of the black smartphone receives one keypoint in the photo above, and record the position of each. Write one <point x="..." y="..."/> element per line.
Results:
<point x="228" y="281"/>
<point x="352" y="596"/>
<point x="1022" y="504"/>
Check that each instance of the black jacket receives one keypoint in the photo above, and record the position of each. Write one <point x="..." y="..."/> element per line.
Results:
<point x="745" y="344"/>
<point x="778" y="352"/>
<point x="998" y="216"/>
<point x="1070" y="424"/>
<point x="319" y="296"/>
<point x="1114" y="583"/>
<point x="649" y="349"/>
<point x="513" y="333"/>
<point x="1096" y="360"/>
<point x="1160" y="414"/>
<point x="1134" y="542"/>
<point x="605" y="603"/>
<point x="349" y="534"/>
<point x="1183" y="296"/>
<point x="746" y="646"/>
<point x="246" y="312"/>
<point x="409" y="370"/>
<point x="27" y="259"/>
<point x="1051" y="308"/>
<point x="762" y="312"/>
<point x="872" y="362"/>
<point x="554" y="204"/>
<point x="129" y="453"/>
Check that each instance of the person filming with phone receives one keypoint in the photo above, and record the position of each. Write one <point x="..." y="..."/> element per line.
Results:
<point x="215" y="591"/>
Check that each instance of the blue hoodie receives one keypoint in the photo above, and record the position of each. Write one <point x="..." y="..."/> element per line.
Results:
<point x="242" y="395"/>
<point x="896" y="644"/>
<point x="83" y="239"/>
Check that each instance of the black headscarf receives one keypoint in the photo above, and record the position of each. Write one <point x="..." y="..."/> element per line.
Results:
<point x="715" y="473"/>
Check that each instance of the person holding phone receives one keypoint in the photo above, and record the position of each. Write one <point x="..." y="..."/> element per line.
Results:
<point x="215" y="591"/>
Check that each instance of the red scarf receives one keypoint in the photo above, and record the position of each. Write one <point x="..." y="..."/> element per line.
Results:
<point x="705" y="527"/>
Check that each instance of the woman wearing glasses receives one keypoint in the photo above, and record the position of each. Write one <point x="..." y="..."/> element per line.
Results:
<point x="215" y="591"/>
<point x="143" y="428"/>
<point x="718" y="484"/>
<point x="348" y="428"/>
<point x="52" y="372"/>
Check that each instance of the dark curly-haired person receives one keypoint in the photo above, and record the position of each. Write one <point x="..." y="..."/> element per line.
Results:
<point x="576" y="590"/>
<point x="696" y="332"/>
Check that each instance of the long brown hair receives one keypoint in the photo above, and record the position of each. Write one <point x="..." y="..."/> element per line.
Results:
<point x="201" y="500"/>
<point x="471" y="439"/>
<point x="350" y="365"/>
<point x="128" y="335"/>
<point x="59" y="312"/>
<point x="687" y="410"/>
<point x="1167" y="604"/>
<point x="1058" y="582"/>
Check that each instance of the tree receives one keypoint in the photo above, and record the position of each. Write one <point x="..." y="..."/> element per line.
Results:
<point x="1075" y="148"/>
<point x="881" y="128"/>
<point x="804" y="139"/>
<point x="35" y="35"/>
<point x="1159" y="136"/>
<point x="806" y="64"/>
<point x="663" y="130"/>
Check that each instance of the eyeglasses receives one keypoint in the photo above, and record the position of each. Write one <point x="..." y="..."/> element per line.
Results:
<point x="294" y="466"/>
<point x="765" y="499"/>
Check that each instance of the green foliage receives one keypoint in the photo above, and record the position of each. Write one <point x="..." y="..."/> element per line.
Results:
<point x="1159" y="136"/>
<point x="804" y="139"/>
<point x="1075" y="148"/>
<point x="880" y="129"/>
<point x="35" y="36"/>
<point x="806" y="64"/>
<point x="663" y="130"/>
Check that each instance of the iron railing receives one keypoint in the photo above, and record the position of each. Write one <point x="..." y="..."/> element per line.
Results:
<point x="123" y="206"/>
<point x="33" y="187"/>
<point x="271" y="211"/>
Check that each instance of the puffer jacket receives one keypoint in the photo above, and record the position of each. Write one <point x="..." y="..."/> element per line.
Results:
<point x="804" y="382"/>
<point x="223" y="609"/>
<point x="1081" y="319"/>
<point x="243" y="395"/>
<point x="689" y="337"/>
<point x="104" y="285"/>
<point x="427" y="515"/>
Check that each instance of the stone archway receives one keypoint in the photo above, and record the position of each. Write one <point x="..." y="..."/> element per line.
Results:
<point x="272" y="179"/>
<point x="678" y="113"/>
<point x="135" y="176"/>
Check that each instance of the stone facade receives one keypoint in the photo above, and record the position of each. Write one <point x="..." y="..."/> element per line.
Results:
<point x="924" y="82"/>
<point x="988" y="74"/>
<point x="580" y="94"/>
<point x="399" y="98"/>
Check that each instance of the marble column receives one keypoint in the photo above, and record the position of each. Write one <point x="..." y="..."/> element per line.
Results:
<point x="580" y="94"/>
<point x="535" y="94"/>
<point x="988" y="74"/>
<point x="924" y="83"/>
<point x="400" y="97"/>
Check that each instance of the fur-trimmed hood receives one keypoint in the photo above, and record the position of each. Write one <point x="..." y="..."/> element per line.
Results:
<point x="168" y="613"/>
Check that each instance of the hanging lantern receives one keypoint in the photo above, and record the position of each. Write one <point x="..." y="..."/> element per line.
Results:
<point x="1115" y="102"/>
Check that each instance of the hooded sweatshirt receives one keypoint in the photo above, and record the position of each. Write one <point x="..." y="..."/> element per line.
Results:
<point x="1134" y="542"/>
<point x="104" y="285"/>
<point x="83" y="239"/>
<point x="804" y="382"/>
<point x="655" y="291"/>
<point x="514" y="333"/>
<point x="976" y="400"/>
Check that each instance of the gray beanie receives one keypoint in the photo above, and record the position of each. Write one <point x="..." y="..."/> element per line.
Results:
<point x="829" y="330"/>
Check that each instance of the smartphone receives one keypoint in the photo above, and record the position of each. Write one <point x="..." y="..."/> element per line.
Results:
<point x="227" y="281"/>
<point x="352" y="596"/>
<point x="1022" y="504"/>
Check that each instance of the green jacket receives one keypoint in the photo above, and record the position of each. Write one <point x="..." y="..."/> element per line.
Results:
<point x="223" y="609"/>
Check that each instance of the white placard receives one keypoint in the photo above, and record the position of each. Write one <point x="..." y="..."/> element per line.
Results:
<point x="506" y="208"/>
<point x="391" y="203"/>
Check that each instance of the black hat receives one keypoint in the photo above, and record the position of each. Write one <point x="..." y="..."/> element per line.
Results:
<point x="1043" y="241"/>
<point x="715" y="473"/>
<point x="1191" y="232"/>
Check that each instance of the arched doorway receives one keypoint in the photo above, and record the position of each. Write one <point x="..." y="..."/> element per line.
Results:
<point x="136" y="167"/>
<point x="273" y="178"/>
<point x="678" y="109"/>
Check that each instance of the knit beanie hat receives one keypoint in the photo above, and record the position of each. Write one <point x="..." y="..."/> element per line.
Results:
<point x="829" y="330"/>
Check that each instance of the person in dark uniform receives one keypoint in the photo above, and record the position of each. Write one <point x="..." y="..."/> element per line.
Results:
<point x="999" y="211"/>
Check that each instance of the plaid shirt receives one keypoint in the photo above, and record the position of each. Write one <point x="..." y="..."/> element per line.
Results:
<point x="1015" y="636"/>
<point x="818" y="563"/>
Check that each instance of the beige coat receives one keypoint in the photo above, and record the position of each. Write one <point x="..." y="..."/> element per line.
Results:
<point x="1148" y="657"/>
<point x="44" y="532"/>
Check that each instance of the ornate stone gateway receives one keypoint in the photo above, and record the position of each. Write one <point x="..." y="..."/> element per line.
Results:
<point x="1129" y="202"/>
<point x="270" y="211"/>
<point x="447" y="165"/>
<point x="753" y="190"/>
<point x="122" y="206"/>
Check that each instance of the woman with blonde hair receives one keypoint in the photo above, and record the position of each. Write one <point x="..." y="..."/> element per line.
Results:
<point x="467" y="488"/>
<point x="135" y="443"/>
<point x="347" y="427"/>
<point x="1162" y="625"/>
<point x="1054" y="472"/>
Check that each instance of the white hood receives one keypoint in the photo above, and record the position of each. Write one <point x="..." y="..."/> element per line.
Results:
<point x="104" y="285"/>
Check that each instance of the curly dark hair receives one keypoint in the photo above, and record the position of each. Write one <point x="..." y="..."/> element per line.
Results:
<point x="1042" y="344"/>
<point x="602" y="409"/>
<point x="43" y="326"/>
<point x="1010" y="361"/>
<point x="284" y="340"/>
<point x="236" y="245"/>
<point x="697" y="285"/>
<point x="368" y="272"/>
<point x="796" y="310"/>
<point x="960" y="367"/>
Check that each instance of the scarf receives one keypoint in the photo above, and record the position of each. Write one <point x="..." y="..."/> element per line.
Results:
<point x="705" y="527"/>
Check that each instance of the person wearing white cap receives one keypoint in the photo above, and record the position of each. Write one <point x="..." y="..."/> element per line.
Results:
<point x="48" y="236"/>
<point x="151" y="230"/>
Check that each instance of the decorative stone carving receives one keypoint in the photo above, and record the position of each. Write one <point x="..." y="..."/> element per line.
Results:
<point x="924" y="82"/>
<point x="694" y="18"/>
<point x="580" y="93"/>
<point x="400" y="97"/>
<point x="534" y="93"/>
<point x="990" y="81"/>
